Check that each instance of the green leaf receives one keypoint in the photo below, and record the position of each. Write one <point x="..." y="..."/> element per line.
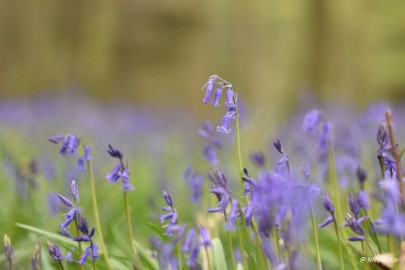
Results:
<point x="219" y="256"/>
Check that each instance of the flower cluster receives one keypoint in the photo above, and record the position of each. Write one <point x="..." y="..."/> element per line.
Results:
<point x="120" y="171"/>
<point x="230" y="101"/>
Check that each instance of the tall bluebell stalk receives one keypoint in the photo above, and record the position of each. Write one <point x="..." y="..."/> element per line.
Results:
<point x="331" y="209"/>
<point x="96" y="214"/>
<point x="306" y="171"/>
<point x="121" y="171"/>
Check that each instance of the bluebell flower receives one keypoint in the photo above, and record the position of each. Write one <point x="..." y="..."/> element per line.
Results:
<point x="223" y="196"/>
<point x="206" y="240"/>
<point x="171" y="213"/>
<point x="209" y="87"/>
<point x="119" y="172"/>
<point x="211" y="144"/>
<point x="186" y="246"/>
<point x="218" y="94"/>
<point x="84" y="256"/>
<point x="362" y="200"/>
<point x="230" y="100"/>
<point x="194" y="181"/>
<point x="54" y="251"/>
<point x="355" y="224"/>
<point x="114" y="176"/>
<point x="126" y="185"/>
<point x="311" y="120"/>
<point x="258" y="159"/>
<point x="354" y="206"/>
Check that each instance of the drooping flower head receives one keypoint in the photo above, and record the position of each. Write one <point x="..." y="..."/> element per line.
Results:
<point x="54" y="251"/>
<point x="120" y="171"/>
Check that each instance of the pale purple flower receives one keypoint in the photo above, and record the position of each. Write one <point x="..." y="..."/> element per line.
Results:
<point x="84" y="256"/>
<point x="362" y="200"/>
<point x="223" y="196"/>
<point x="311" y="120"/>
<point x="185" y="247"/>
<point x="126" y="185"/>
<point x="209" y="87"/>
<point x="206" y="240"/>
<point x="258" y="159"/>
<point x="218" y="94"/>
<point x="114" y="176"/>
<point x="230" y="98"/>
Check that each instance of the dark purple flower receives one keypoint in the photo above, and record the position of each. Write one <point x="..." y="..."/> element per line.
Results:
<point x="168" y="198"/>
<point x="114" y="176"/>
<point x="356" y="238"/>
<point x="326" y="222"/>
<point x="361" y="174"/>
<point x="115" y="153"/>
<point x="382" y="136"/>
<point x="277" y="145"/>
<point x="354" y="206"/>
<point x="83" y="226"/>
<point x="328" y="205"/>
<point x="192" y="260"/>
<point x="258" y="159"/>
<point x="83" y="238"/>
<point x="54" y="251"/>
<point x="355" y="224"/>
<point x="56" y="138"/>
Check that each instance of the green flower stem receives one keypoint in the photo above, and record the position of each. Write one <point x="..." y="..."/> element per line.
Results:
<point x="207" y="254"/>
<point x="96" y="215"/>
<point x="342" y="265"/>
<point x="79" y="244"/>
<point x="242" y="250"/>
<point x="61" y="266"/>
<point x="374" y="232"/>
<point x="179" y="256"/>
<point x="228" y="234"/>
<point x="335" y="191"/>
<point x="314" y="228"/>
<point x="238" y="149"/>
<point x="136" y="261"/>
<point x="277" y="243"/>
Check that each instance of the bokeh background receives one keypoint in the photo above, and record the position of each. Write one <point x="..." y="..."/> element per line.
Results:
<point x="156" y="55"/>
<point x="161" y="52"/>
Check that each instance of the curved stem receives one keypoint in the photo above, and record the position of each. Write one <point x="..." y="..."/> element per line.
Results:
<point x="136" y="260"/>
<point x="96" y="214"/>
<point x="318" y="253"/>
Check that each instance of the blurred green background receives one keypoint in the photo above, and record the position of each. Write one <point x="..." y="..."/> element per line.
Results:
<point x="161" y="52"/>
